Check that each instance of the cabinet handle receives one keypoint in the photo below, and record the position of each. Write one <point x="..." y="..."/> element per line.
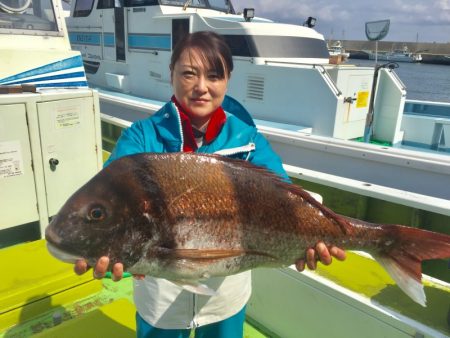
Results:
<point x="53" y="163"/>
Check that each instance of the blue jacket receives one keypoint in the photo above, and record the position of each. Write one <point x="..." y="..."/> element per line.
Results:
<point x="162" y="132"/>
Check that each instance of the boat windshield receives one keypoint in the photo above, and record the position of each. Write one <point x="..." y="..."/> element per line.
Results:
<point x="276" y="46"/>
<point x="221" y="5"/>
<point x="27" y="17"/>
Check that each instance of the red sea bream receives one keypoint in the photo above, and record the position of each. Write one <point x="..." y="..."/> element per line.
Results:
<point x="185" y="217"/>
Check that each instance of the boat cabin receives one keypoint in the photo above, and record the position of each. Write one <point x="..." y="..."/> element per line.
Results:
<point x="154" y="26"/>
<point x="49" y="118"/>
<point x="126" y="47"/>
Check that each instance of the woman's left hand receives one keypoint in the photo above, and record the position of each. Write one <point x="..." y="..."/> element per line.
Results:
<point x="321" y="253"/>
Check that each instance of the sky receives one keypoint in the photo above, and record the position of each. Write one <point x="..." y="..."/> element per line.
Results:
<point x="410" y="20"/>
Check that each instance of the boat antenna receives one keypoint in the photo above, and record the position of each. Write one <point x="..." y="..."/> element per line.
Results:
<point x="375" y="30"/>
<point x="186" y="4"/>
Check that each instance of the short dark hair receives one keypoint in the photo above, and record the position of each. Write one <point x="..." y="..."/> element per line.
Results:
<point x="212" y="48"/>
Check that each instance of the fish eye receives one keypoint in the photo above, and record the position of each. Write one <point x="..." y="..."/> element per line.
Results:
<point x="96" y="213"/>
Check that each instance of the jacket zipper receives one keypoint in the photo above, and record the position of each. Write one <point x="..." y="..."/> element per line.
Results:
<point x="193" y="324"/>
<point x="237" y="150"/>
<point x="179" y="126"/>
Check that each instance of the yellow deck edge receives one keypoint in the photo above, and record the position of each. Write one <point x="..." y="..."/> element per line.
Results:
<point x="114" y="320"/>
<point x="32" y="273"/>
<point x="48" y="303"/>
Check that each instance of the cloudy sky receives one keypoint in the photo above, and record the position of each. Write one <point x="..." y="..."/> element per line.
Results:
<point x="411" y="20"/>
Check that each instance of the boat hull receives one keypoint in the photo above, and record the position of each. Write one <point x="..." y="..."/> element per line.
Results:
<point x="393" y="57"/>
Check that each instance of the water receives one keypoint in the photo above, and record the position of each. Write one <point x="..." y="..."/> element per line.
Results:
<point x="423" y="81"/>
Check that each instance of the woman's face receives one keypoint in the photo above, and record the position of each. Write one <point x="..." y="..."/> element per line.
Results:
<point x="198" y="89"/>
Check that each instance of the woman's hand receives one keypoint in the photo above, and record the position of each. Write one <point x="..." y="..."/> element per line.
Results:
<point x="101" y="268"/>
<point x="320" y="253"/>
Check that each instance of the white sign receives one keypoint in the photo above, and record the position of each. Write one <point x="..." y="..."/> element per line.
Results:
<point x="67" y="117"/>
<point x="11" y="163"/>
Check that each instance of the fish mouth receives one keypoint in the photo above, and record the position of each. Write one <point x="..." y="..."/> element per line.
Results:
<point x="50" y="236"/>
<point x="61" y="254"/>
<point x="53" y="246"/>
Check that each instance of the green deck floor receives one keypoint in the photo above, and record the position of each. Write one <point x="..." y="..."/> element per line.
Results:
<point x="107" y="313"/>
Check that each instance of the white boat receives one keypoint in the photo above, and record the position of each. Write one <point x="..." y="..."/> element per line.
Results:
<point x="50" y="144"/>
<point x="127" y="50"/>
<point x="337" y="53"/>
<point x="397" y="56"/>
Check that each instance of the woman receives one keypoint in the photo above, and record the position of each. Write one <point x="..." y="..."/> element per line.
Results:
<point x="201" y="118"/>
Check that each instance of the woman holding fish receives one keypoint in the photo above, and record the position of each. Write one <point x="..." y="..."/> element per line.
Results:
<point x="199" y="118"/>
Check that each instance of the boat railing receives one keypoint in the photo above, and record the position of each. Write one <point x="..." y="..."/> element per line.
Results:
<point x="431" y="116"/>
<point x="410" y="199"/>
<point x="428" y="108"/>
<point x="116" y="121"/>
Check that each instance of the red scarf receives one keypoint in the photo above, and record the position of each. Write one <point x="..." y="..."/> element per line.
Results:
<point x="213" y="129"/>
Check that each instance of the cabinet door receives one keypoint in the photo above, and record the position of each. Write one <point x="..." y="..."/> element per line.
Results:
<point x="69" y="147"/>
<point x="18" y="202"/>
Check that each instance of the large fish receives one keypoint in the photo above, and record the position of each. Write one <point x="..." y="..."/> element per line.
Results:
<point x="186" y="217"/>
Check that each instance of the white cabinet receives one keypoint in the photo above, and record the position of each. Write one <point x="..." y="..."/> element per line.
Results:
<point x="50" y="145"/>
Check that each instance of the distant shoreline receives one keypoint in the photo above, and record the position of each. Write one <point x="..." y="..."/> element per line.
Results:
<point x="436" y="59"/>
<point x="420" y="47"/>
<point x="432" y="53"/>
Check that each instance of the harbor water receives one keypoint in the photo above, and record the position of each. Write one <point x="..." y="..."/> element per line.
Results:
<point x="427" y="82"/>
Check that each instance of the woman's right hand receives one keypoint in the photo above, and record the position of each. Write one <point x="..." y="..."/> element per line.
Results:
<point x="101" y="268"/>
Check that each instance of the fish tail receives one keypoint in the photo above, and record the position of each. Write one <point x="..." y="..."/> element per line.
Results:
<point x="404" y="251"/>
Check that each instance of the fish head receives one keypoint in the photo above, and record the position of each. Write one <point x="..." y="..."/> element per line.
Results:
<point x="105" y="217"/>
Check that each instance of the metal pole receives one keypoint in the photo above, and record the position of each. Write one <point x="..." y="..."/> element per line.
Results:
<point x="376" y="52"/>
<point x="368" y="129"/>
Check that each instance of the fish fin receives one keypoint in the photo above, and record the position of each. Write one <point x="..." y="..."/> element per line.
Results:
<point x="197" y="288"/>
<point x="405" y="281"/>
<point x="406" y="250"/>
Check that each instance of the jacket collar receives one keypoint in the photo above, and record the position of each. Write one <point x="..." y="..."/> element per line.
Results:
<point x="169" y="127"/>
<point x="213" y="129"/>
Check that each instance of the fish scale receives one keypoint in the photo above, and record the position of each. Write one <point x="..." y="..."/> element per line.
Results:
<point x="188" y="216"/>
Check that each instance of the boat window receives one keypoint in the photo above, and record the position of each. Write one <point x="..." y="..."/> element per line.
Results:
<point x="180" y="27"/>
<point x="191" y="3"/>
<point x="137" y="3"/>
<point x="102" y="4"/>
<point x="83" y="8"/>
<point x="276" y="46"/>
<point x="238" y="45"/>
<point x="222" y="5"/>
<point x="26" y="16"/>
